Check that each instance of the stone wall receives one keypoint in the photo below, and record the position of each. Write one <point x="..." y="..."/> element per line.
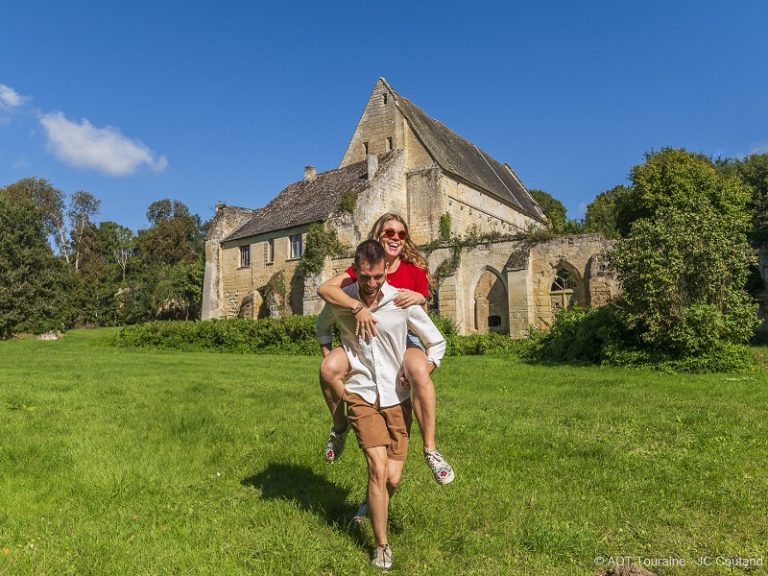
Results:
<point x="242" y="285"/>
<point x="380" y="127"/>
<point x="468" y="208"/>
<point x="582" y="256"/>
<point x="512" y="279"/>
<point x="225" y="221"/>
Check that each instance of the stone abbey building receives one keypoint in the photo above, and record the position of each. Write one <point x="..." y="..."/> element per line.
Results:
<point x="401" y="160"/>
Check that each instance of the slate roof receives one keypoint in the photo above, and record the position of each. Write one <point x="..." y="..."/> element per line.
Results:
<point x="307" y="202"/>
<point x="460" y="157"/>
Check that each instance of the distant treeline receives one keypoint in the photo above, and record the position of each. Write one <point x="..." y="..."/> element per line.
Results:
<point x="59" y="269"/>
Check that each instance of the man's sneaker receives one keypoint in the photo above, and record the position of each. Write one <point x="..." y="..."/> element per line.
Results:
<point x="382" y="557"/>
<point x="441" y="470"/>
<point x="359" y="516"/>
<point x="335" y="445"/>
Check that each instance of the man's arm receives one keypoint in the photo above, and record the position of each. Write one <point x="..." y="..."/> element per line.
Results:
<point x="420" y="324"/>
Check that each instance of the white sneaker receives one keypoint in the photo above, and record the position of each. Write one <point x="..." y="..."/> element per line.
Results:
<point x="359" y="516"/>
<point x="335" y="444"/>
<point x="441" y="470"/>
<point x="382" y="557"/>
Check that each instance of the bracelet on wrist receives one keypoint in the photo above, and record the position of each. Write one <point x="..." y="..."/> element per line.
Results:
<point x="357" y="308"/>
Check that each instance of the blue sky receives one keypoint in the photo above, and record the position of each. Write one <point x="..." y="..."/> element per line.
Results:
<point x="208" y="101"/>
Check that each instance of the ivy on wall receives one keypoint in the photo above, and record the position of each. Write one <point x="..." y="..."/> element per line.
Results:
<point x="321" y="243"/>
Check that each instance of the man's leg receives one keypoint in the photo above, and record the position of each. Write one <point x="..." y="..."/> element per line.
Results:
<point x="378" y="494"/>
<point x="332" y="371"/>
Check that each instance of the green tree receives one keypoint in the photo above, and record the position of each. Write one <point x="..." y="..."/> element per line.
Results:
<point x="603" y="213"/>
<point x="117" y="244"/>
<point x="753" y="170"/>
<point x="83" y="207"/>
<point x="33" y="281"/>
<point x="553" y="209"/>
<point x="675" y="179"/>
<point x="685" y="259"/>
<point x="49" y="202"/>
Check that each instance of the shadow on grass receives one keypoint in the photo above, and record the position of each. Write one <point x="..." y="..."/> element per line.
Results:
<point x="311" y="492"/>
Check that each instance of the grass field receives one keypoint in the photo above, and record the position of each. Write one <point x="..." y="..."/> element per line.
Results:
<point x="120" y="462"/>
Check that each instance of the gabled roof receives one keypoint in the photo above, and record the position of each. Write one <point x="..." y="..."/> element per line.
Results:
<point x="460" y="157"/>
<point x="305" y="202"/>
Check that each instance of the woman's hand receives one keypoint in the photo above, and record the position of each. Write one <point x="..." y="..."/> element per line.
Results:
<point x="407" y="298"/>
<point x="365" y="324"/>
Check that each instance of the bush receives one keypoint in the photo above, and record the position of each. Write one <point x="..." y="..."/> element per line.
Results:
<point x="600" y="336"/>
<point x="288" y="335"/>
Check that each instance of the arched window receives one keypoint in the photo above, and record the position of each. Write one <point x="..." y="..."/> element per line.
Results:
<point x="564" y="292"/>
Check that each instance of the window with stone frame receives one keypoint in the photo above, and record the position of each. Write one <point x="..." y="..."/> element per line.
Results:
<point x="269" y="252"/>
<point x="245" y="256"/>
<point x="564" y="290"/>
<point x="296" y="246"/>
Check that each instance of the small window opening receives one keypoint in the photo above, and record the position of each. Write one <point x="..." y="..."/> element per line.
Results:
<point x="245" y="256"/>
<point x="385" y="98"/>
<point x="269" y="251"/>
<point x="389" y="143"/>
<point x="365" y="145"/>
<point x="296" y="247"/>
<point x="494" y="321"/>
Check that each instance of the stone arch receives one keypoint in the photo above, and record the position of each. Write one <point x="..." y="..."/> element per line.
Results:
<point x="491" y="303"/>
<point x="566" y="287"/>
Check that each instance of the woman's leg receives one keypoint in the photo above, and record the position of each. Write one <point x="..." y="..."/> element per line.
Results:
<point x="416" y="369"/>
<point x="333" y="369"/>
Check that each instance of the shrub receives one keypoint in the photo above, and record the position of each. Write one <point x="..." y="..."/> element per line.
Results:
<point x="288" y="335"/>
<point x="600" y="336"/>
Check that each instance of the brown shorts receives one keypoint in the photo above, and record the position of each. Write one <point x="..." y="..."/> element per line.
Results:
<point x="375" y="426"/>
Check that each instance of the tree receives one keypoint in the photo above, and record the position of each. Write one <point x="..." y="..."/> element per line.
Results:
<point x="603" y="214"/>
<point x="117" y="244"/>
<point x="49" y="201"/>
<point x="174" y="236"/>
<point x="753" y="170"/>
<point x="553" y="209"/>
<point x="82" y="207"/>
<point x="685" y="259"/>
<point x="675" y="179"/>
<point x="33" y="281"/>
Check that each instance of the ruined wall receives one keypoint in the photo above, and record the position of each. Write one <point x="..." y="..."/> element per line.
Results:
<point x="581" y="255"/>
<point x="385" y="193"/>
<point x="513" y="279"/>
<point x="225" y="221"/>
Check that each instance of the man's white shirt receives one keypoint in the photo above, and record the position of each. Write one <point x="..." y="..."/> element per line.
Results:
<point x="375" y="365"/>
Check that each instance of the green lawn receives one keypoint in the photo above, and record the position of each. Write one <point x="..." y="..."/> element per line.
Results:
<point x="125" y="462"/>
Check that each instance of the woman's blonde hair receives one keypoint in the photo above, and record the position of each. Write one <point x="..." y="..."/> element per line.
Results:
<point x="410" y="253"/>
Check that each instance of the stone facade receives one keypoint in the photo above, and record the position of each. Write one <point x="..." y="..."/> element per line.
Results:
<point x="400" y="160"/>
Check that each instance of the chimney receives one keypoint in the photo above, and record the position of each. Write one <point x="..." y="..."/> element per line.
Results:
<point x="373" y="166"/>
<point x="310" y="174"/>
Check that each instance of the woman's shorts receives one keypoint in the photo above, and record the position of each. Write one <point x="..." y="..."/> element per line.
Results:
<point x="413" y="342"/>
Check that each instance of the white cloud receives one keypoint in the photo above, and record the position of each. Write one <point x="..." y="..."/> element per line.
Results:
<point x="104" y="149"/>
<point x="9" y="98"/>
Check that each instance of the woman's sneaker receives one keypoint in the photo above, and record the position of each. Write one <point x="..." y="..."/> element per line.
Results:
<point x="441" y="470"/>
<point x="359" y="516"/>
<point x="382" y="557"/>
<point x="335" y="445"/>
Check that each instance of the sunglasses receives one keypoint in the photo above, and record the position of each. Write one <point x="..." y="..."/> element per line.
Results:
<point x="391" y="233"/>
